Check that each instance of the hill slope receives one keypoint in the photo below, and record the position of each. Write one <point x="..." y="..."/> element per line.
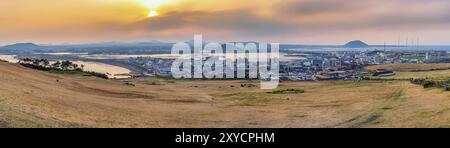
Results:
<point x="30" y="98"/>
<point x="356" y="44"/>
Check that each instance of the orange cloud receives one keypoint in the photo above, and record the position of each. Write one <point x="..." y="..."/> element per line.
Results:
<point x="303" y="21"/>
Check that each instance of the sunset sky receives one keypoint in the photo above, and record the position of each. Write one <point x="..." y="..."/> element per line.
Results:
<point x="283" y="21"/>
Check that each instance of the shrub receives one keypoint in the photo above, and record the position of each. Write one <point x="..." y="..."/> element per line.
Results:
<point x="248" y="85"/>
<point x="288" y="91"/>
<point x="100" y="75"/>
<point x="428" y="84"/>
<point x="130" y="84"/>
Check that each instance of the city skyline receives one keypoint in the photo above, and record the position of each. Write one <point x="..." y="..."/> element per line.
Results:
<point x="284" y="21"/>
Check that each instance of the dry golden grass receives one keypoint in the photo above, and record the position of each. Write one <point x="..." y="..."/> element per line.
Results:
<point x="31" y="98"/>
<point x="411" y="67"/>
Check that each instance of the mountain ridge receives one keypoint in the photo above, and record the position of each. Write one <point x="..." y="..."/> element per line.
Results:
<point x="356" y="44"/>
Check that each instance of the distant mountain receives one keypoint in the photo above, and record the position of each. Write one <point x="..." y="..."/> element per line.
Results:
<point x="22" y="46"/>
<point x="246" y="42"/>
<point x="120" y="44"/>
<point x="152" y="42"/>
<point x="356" y="44"/>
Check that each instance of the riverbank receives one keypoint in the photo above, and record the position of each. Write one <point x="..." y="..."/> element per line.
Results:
<point x="113" y="71"/>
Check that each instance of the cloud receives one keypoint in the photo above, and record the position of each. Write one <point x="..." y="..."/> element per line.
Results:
<point x="365" y="13"/>
<point x="314" y="7"/>
<point x="306" y="17"/>
<point x="239" y="21"/>
<point x="277" y="20"/>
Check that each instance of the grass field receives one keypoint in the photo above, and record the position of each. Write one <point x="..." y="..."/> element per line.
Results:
<point x="430" y="75"/>
<point x="30" y="98"/>
<point x="422" y="71"/>
<point x="411" y="67"/>
<point x="414" y="58"/>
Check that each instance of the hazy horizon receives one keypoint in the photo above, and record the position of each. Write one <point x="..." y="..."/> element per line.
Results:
<point x="310" y="22"/>
<point x="172" y="42"/>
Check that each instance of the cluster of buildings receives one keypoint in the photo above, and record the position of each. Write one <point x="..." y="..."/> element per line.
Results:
<point x="325" y="65"/>
<point x="332" y="65"/>
<point x="153" y="66"/>
<point x="320" y="65"/>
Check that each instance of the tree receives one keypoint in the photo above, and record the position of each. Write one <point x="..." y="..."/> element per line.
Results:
<point x="74" y="66"/>
<point x="36" y="62"/>
<point x="66" y="64"/>
<point x="26" y="60"/>
<point x="56" y="65"/>
<point x="46" y="63"/>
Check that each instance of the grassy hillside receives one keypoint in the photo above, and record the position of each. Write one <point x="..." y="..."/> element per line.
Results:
<point x="30" y="98"/>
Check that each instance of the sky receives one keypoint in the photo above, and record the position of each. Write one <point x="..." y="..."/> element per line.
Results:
<point x="425" y="22"/>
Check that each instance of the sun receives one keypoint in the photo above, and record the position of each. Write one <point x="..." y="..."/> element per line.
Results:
<point x="153" y="6"/>
<point x="152" y="13"/>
